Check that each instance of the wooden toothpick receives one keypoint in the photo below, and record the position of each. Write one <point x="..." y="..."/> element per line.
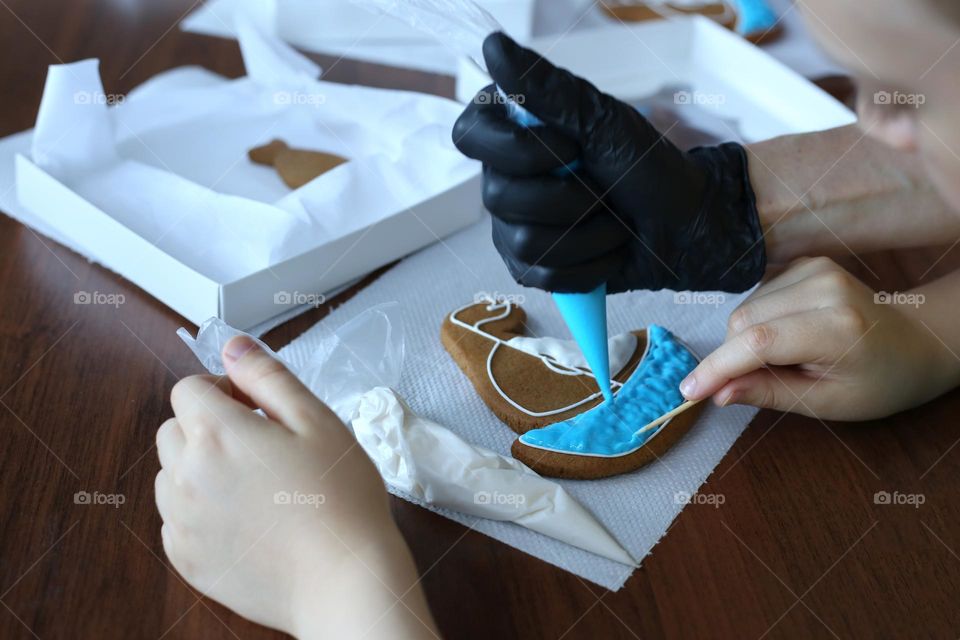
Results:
<point x="667" y="416"/>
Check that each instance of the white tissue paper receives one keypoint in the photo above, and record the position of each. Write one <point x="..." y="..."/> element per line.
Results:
<point x="335" y="27"/>
<point x="169" y="161"/>
<point x="636" y="508"/>
<point x="353" y="370"/>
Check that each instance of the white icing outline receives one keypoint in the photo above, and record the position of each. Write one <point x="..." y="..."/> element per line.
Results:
<point x="547" y="361"/>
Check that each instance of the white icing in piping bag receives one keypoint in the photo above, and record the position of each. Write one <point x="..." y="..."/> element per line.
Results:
<point x="352" y="371"/>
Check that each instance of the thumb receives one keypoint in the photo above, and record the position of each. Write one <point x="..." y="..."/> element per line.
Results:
<point x="272" y="387"/>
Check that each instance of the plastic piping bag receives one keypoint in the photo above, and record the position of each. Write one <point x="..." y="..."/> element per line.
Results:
<point x="463" y="26"/>
<point x="354" y="371"/>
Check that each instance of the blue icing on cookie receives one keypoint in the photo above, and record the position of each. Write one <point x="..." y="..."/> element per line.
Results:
<point x="755" y="15"/>
<point x="610" y="428"/>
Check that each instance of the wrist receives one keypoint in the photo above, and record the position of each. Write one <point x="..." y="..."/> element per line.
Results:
<point x="936" y="345"/>
<point x="372" y="591"/>
<point x="725" y="248"/>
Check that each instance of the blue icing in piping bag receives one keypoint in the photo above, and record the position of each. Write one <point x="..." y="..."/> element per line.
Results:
<point x="586" y="316"/>
<point x="464" y="25"/>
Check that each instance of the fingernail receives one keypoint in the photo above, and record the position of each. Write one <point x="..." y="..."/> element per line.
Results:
<point x="689" y="385"/>
<point x="238" y="347"/>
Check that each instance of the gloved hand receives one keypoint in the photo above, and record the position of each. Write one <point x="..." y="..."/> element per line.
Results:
<point x="637" y="213"/>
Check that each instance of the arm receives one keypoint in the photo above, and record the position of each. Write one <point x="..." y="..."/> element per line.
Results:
<point x="831" y="191"/>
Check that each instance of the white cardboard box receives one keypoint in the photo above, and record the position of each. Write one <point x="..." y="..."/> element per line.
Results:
<point x="394" y="201"/>
<point x="734" y="79"/>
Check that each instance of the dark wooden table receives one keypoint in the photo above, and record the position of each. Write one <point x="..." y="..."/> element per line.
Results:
<point x="798" y="548"/>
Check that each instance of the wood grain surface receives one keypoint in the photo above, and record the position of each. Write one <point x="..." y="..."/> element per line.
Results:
<point x="797" y="549"/>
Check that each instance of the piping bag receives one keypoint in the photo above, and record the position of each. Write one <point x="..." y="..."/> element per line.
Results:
<point x="463" y="25"/>
<point x="354" y="371"/>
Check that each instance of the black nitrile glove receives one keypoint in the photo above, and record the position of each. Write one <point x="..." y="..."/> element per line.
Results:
<point x="638" y="213"/>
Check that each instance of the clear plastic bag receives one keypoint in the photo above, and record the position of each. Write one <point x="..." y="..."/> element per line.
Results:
<point x="461" y="25"/>
<point x="364" y="353"/>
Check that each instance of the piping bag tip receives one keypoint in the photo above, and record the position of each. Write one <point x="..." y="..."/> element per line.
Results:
<point x="586" y="316"/>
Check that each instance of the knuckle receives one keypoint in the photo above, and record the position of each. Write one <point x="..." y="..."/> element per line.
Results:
<point x="461" y="130"/>
<point x="817" y="263"/>
<point x="493" y="193"/>
<point x="181" y="482"/>
<point x="834" y="281"/>
<point x="739" y="319"/>
<point x="183" y="390"/>
<point x="760" y="337"/>
<point x="850" y="319"/>
<point x="206" y="435"/>
<point x="524" y="244"/>
<point x="267" y="371"/>
<point x="304" y="412"/>
<point x="712" y="366"/>
<point x="164" y="431"/>
<point x="767" y="397"/>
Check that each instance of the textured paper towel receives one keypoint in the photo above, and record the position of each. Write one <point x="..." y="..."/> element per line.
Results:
<point x="636" y="508"/>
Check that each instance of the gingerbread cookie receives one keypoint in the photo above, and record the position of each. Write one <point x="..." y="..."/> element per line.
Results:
<point x="719" y="11"/>
<point x="528" y="382"/>
<point x="541" y="388"/>
<point x="296" y="167"/>
<point x="753" y="19"/>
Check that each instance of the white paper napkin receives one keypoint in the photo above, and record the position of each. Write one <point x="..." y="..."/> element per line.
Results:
<point x="636" y="508"/>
